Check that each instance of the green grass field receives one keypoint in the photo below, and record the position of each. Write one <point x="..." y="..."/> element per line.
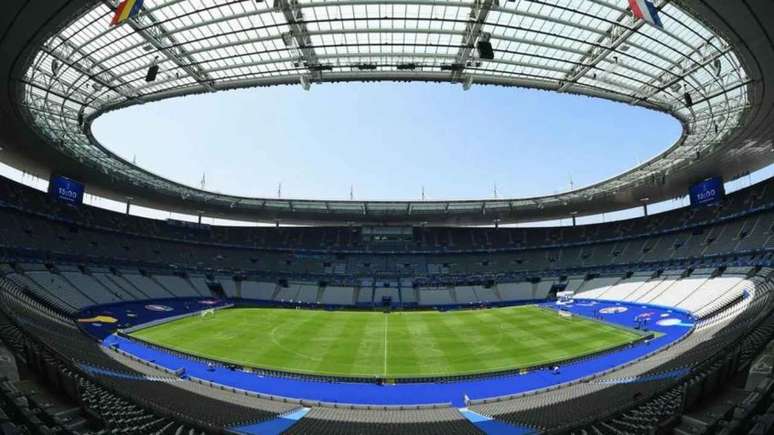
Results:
<point x="402" y="344"/>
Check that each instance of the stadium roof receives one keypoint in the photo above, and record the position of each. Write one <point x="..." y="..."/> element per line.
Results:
<point x="80" y="67"/>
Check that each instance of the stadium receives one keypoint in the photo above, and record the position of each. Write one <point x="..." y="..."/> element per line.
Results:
<point x="502" y="315"/>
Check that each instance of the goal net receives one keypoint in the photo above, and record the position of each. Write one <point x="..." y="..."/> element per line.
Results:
<point x="565" y="296"/>
<point x="208" y="312"/>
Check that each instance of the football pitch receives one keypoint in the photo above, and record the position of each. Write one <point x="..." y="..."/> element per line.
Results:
<point x="395" y="345"/>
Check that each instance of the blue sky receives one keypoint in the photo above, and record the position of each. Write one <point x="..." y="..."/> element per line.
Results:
<point x="387" y="140"/>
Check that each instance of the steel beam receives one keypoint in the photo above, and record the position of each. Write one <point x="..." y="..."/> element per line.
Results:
<point x="299" y="34"/>
<point x="479" y="10"/>
<point x="153" y="31"/>
<point x="615" y="36"/>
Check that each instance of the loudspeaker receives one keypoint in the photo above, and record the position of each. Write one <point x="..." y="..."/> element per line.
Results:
<point x="485" y="50"/>
<point x="152" y="72"/>
<point x="688" y="99"/>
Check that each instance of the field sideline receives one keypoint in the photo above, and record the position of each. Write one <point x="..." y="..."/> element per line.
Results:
<point x="396" y="345"/>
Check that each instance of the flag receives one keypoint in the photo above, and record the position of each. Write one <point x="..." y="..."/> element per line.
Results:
<point x="646" y="10"/>
<point x="125" y="10"/>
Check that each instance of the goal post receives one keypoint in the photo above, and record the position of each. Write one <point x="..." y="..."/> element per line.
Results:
<point x="206" y="313"/>
<point x="565" y="296"/>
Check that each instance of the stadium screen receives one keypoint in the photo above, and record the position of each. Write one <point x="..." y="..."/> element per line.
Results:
<point x="707" y="191"/>
<point x="66" y="190"/>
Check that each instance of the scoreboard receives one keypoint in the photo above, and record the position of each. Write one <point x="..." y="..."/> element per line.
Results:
<point x="66" y="190"/>
<point x="707" y="191"/>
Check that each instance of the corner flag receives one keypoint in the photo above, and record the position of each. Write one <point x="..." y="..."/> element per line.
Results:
<point x="125" y="10"/>
<point x="646" y="10"/>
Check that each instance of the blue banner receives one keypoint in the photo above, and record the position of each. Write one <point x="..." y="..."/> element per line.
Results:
<point x="707" y="191"/>
<point x="66" y="190"/>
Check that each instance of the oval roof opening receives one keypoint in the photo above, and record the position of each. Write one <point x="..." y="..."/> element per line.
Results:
<point x="387" y="141"/>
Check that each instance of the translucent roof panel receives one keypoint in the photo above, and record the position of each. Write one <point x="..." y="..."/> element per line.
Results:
<point x="595" y="48"/>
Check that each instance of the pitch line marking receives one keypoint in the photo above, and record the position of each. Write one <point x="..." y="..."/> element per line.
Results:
<point x="317" y="359"/>
<point x="386" y="325"/>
